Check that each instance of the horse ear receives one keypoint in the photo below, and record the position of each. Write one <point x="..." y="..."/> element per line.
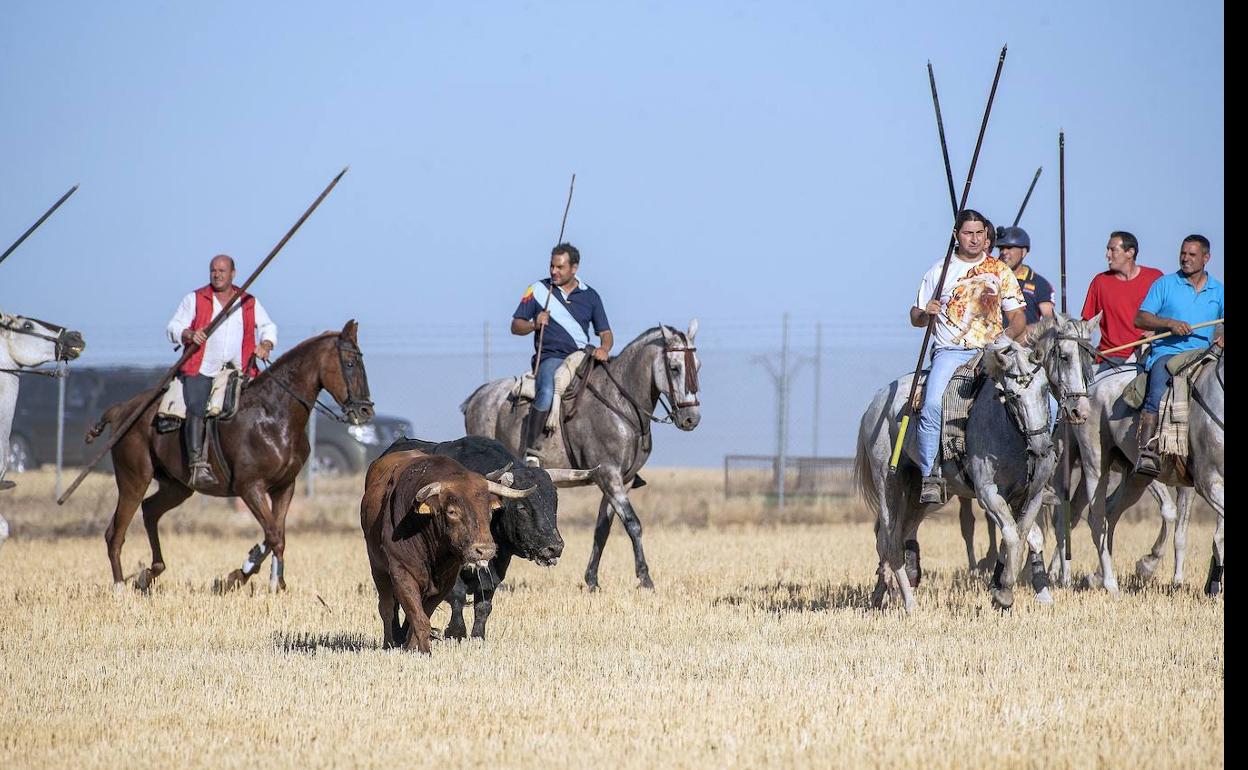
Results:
<point x="350" y="331"/>
<point x="693" y="330"/>
<point x="1093" y="323"/>
<point x="667" y="334"/>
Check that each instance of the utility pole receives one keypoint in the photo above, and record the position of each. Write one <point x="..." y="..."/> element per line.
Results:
<point x="814" y="447"/>
<point x="781" y="378"/>
<point x="486" y="357"/>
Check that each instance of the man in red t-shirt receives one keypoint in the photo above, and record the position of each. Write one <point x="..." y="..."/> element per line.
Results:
<point x="1118" y="293"/>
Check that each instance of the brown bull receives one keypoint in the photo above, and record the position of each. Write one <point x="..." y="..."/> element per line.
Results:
<point x="424" y="517"/>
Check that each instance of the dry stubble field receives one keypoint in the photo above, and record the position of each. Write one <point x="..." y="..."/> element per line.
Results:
<point x="756" y="649"/>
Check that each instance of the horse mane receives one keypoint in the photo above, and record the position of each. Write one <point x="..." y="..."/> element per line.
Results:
<point x="296" y="353"/>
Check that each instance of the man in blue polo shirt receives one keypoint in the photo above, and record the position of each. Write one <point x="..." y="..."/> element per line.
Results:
<point x="1174" y="304"/>
<point x="572" y="309"/>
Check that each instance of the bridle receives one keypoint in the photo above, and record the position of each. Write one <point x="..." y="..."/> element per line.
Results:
<point x="353" y="402"/>
<point x="1087" y="354"/>
<point x="691" y="376"/>
<point x="60" y="342"/>
<point x="1014" y="407"/>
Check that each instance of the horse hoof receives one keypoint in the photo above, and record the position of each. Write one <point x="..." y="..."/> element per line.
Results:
<point x="455" y="633"/>
<point x="232" y="582"/>
<point x="591" y="586"/>
<point x="277" y="586"/>
<point x="1045" y="596"/>
<point x="143" y="581"/>
<point x="1093" y="581"/>
<point x="1002" y="598"/>
<point x="6" y="485"/>
<point x="646" y="583"/>
<point x="1213" y="589"/>
<point x="1145" y="567"/>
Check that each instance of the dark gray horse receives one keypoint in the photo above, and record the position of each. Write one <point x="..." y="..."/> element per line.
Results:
<point x="610" y="429"/>
<point x="1009" y="459"/>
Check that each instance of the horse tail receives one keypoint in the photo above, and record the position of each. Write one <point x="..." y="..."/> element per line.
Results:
<point x="863" y="479"/>
<point x="98" y="428"/>
<point x="463" y="408"/>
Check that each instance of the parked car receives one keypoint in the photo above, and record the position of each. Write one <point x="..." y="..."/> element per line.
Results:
<point x="340" y="449"/>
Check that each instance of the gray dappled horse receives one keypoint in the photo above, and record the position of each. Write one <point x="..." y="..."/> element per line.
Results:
<point x="611" y="426"/>
<point x="26" y="343"/>
<point x="1107" y="442"/>
<point x="1009" y="459"/>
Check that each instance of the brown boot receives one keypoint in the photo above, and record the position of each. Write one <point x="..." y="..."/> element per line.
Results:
<point x="933" y="491"/>
<point x="1147" y="462"/>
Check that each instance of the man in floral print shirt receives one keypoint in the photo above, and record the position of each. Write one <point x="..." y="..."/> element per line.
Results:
<point x="978" y="293"/>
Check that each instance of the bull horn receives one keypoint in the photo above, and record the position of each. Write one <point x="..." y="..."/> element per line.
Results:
<point x="572" y="477"/>
<point x="498" y="474"/>
<point x="508" y="492"/>
<point x="428" y="491"/>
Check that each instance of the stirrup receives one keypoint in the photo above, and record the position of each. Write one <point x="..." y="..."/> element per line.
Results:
<point x="932" y="491"/>
<point x="202" y="475"/>
<point x="1148" y="463"/>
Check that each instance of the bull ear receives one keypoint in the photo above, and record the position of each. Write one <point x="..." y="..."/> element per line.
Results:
<point x="350" y="331"/>
<point x="570" y="477"/>
<point x="423" y="496"/>
<point x="496" y="503"/>
<point x="693" y="330"/>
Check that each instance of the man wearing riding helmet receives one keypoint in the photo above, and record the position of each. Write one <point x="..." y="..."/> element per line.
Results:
<point x="1013" y="245"/>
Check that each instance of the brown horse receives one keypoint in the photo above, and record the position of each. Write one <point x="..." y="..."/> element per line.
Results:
<point x="256" y="456"/>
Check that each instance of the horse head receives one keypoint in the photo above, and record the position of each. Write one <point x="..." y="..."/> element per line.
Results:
<point x="675" y="373"/>
<point x="31" y="342"/>
<point x="344" y="377"/>
<point x="1064" y="344"/>
<point x="1019" y="373"/>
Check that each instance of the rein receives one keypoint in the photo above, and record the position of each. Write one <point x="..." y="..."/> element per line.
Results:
<point x="316" y="404"/>
<point x="58" y="341"/>
<point x="643" y="414"/>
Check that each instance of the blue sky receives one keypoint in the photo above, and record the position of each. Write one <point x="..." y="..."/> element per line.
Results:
<point x="734" y="160"/>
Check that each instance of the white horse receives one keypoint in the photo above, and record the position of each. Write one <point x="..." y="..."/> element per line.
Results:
<point x="1107" y="442"/>
<point x="25" y="343"/>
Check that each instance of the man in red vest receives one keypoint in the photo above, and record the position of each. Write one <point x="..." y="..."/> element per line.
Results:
<point x="246" y="332"/>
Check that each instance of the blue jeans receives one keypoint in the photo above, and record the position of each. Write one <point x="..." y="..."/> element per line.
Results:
<point x="1158" y="379"/>
<point x="546" y="382"/>
<point x="945" y="361"/>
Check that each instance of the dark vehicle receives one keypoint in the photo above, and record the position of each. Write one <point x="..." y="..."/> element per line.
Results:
<point x="90" y="390"/>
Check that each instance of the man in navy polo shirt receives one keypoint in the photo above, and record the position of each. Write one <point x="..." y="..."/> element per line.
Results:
<point x="1013" y="244"/>
<point x="572" y="309"/>
<point x="1174" y="303"/>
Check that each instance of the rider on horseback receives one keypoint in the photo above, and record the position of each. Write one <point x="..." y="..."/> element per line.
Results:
<point x="968" y="315"/>
<point x="233" y="342"/>
<point x="1175" y="302"/>
<point x="578" y="306"/>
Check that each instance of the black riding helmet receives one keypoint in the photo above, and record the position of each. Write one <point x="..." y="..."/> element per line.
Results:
<point x="1012" y="236"/>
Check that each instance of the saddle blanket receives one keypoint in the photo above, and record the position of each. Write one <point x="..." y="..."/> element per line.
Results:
<point x="227" y="384"/>
<point x="955" y="406"/>
<point x="1133" y="395"/>
<point x="526" y="386"/>
<point x="1172" y="426"/>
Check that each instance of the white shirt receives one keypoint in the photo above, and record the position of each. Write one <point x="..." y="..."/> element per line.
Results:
<point x="972" y="298"/>
<point x="226" y="343"/>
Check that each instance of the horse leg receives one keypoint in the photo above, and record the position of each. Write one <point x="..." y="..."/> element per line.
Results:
<point x="1128" y="492"/>
<point x="632" y="525"/>
<point x="256" y="499"/>
<point x="456" y="629"/>
<point x="1213" y="495"/>
<point x="168" y="495"/>
<point x="131" y="484"/>
<point x="1147" y="564"/>
<point x="281" y="498"/>
<point x="994" y="551"/>
<point x="1039" y="575"/>
<point x="966" y="520"/>
<point x="1180" y="531"/>
<point x="602" y="528"/>
<point x="1006" y="571"/>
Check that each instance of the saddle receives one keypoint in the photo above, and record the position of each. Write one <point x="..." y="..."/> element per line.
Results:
<point x="1133" y="395"/>
<point x="227" y="388"/>
<point x="525" y="388"/>
<point x="955" y="406"/>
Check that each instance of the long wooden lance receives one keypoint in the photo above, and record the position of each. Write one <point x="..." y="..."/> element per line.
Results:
<point x="944" y="147"/>
<point x="944" y="270"/>
<point x="1061" y="209"/>
<point x="1153" y="337"/>
<point x="541" y="333"/>
<point x="38" y="222"/>
<point x="1026" y="198"/>
<point x="189" y="350"/>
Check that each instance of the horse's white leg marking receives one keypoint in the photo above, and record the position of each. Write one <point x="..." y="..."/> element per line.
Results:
<point x="1186" y="495"/>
